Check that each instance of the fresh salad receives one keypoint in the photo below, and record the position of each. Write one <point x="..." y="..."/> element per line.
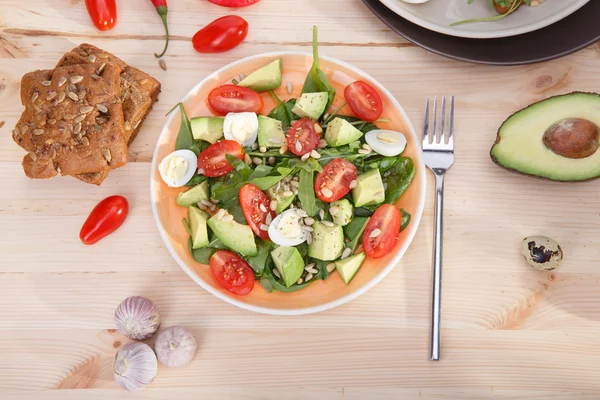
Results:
<point x="503" y="8"/>
<point x="288" y="198"/>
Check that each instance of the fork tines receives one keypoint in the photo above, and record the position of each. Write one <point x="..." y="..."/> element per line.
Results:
<point x="442" y="139"/>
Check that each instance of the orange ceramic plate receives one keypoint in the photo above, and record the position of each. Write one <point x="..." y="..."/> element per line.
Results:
<point x="321" y="295"/>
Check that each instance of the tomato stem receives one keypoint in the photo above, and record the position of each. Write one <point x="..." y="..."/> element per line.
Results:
<point x="162" y="11"/>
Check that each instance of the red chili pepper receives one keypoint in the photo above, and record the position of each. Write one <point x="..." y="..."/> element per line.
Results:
<point x="104" y="219"/>
<point x="103" y="13"/>
<point x="161" y="9"/>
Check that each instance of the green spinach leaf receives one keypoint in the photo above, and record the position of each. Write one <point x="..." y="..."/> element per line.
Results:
<point x="185" y="139"/>
<point x="322" y="267"/>
<point x="405" y="219"/>
<point x="398" y="178"/>
<point x="354" y="231"/>
<point x="260" y="171"/>
<point x="316" y="81"/>
<point x="277" y="285"/>
<point x="259" y="261"/>
<point x="196" y="180"/>
<point x="306" y="192"/>
<point x="382" y="163"/>
<point x="200" y="255"/>
<point x="365" y="211"/>
<point x="266" y="181"/>
<point x="283" y="112"/>
<point x="241" y="170"/>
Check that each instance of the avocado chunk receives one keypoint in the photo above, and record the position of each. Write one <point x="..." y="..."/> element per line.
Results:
<point x="270" y="132"/>
<point x="340" y="132"/>
<point x="236" y="236"/>
<point x="283" y="202"/>
<point x="556" y="139"/>
<point x="327" y="243"/>
<point x="348" y="267"/>
<point x="198" y="220"/>
<point x="369" y="189"/>
<point x="311" y="105"/>
<point x="344" y="213"/>
<point x="193" y="195"/>
<point x="289" y="263"/>
<point x="265" y="78"/>
<point x="207" y="128"/>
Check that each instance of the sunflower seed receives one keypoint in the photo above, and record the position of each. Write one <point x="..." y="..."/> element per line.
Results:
<point x="276" y="273"/>
<point x="206" y="202"/>
<point x="313" y="271"/>
<point x="264" y="227"/>
<point x="326" y="192"/>
<point x="283" y="149"/>
<point x="257" y="160"/>
<point x="70" y="127"/>
<point x="77" y="129"/>
<point x="363" y="151"/>
<point x="76" y="79"/>
<point x="73" y="96"/>
<point x="51" y="121"/>
<point x="221" y="213"/>
<point x="315" y="154"/>
<point x="254" y="146"/>
<point x="227" y="218"/>
<point x="92" y="58"/>
<point x="202" y="206"/>
<point x="273" y="205"/>
<point x="62" y="81"/>
<point x="32" y="155"/>
<point x="289" y="87"/>
<point x="334" y="210"/>
<point x="367" y="147"/>
<point x="376" y="232"/>
<point x="212" y="208"/>
<point x="86" y="109"/>
<point x="302" y="213"/>
<point x="309" y="266"/>
<point x="305" y="157"/>
<point x="79" y="118"/>
<point x="143" y="81"/>
<point x="308" y="228"/>
<point x="162" y="64"/>
<point x="309" y="221"/>
<point x="16" y="132"/>
<point x="309" y="238"/>
<point x="327" y="223"/>
<point x="271" y="160"/>
<point x="95" y="76"/>
<point x="61" y="97"/>
<point x="262" y="208"/>
<point x="106" y="154"/>
<point x="298" y="146"/>
<point x="38" y="132"/>
<point x="34" y="96"/>
<point x="288" y="193"/>
<point x="275" y="140"/>
<point x="24" y="129"/>
<point x="102" y="108"/>
<point x="102" y="55"/>
<point x="136" y="124"/>
<point x="308" y="277"/>
<point x="346" y="253"/>
<point x="51" y="95"/>
<point x="330" y="267"/>
<point x="46" y="83"/>
<point x="247" y="159"/>
<point x="262" y="149"/>
<point x="295" y="183"/>
<point x="85" y="141"/>
<point x="353" y="184"/>
<point x="200" y="171"/>
<point x="294" y="190"/>
<point x="322" y="214"/>
<point x="269" y="219"/>
<point x="322" y="144"/>
<point x="318" y="128"/>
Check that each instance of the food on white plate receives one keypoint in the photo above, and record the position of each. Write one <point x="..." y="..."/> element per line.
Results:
<point x="288" y="198"/>
<point x="386" y="142"/>
<point x="503" y="9"/>
<point x="265" y="78"/>
<point x="541" y="252"/>
<point x="241" y="127"/>
<point x="556" y="138"/>
<point x="178" y="168"/>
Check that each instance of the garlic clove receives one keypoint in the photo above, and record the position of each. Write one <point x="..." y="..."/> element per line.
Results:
<point x="135" y="366"/>
<point x="175" y="346"/>
<point x="137" y="318"/>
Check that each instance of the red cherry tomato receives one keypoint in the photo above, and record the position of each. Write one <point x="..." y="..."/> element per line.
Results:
<point x="104" y="219"/>
<point x="232" y="272"/>
<point x="233" y="3"/>
<point x="335" y="178"/>
<point x="302" y="137"/>
<point x="221" y="35"/>
<point x="232" y="98"/>
<point x="387" y="220"/>
<point x="364" y="100"/>
<point x="103" y="13"/>
<point x="212" y="161"/>
<point x="251" y="198"/>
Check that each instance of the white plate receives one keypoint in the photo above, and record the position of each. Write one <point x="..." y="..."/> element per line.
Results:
<point x="437" y="15"/>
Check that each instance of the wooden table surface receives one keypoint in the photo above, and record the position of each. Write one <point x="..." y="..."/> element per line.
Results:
<point x="508" y="331"/>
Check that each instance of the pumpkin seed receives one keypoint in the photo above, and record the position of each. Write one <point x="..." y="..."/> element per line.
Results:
<point x="77" y="128"/>
<point x="94" y="76"/>
<point x="102" y="108"/>
<point x="24" y="129"/>
<point x="76" y="79"/>
<point x="79" y="118"/>
<point x="51" y="95"/>
<point x="61" y="97"/>
<point x="73" y="96"/>
<point x="85" y="141"/>
<point x="86" y="109"/>
<point x="62" y="81"/>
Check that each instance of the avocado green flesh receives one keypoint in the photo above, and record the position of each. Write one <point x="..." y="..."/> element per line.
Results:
<point x="237" y="237"/>
<point x="265" y="78"/>
<point x="348" y="267"/>
<point x="207" y="128"/>
<point x="311" y="105"/>
<point x="344" y="214"/>
<point x="289" y="263"/>
<point x="270" y="132"/>
<point x="193" y="195"/>
<point x="198" y="220"/>
<point x="519" y="145"/>
<point x="327" y="243"/>
<point x="340" y="132"/>
<point x="282" y="201"/>
<point x="369" y="189"/>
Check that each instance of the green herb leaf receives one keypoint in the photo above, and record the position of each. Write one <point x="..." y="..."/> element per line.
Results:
<point x="259" y="261"/>
<point x="277" y="285"/>
<point x="185" y="139"/>
<point x="187" y="226"/>
<point x="322" y="267"/>
<point x="267" y="181"/>
<point x="398" y="178"/>
<point x="196" y="180"/>
<point x="266" y="284"/>
<point x="306" y="192"/>
<point x="354" y="231"/>
<point x="241" y="168"/>
<point x="200" y="255"/>
<point x="260" y="171"/>
<point x="283" y="112"/>
<point x="316" y="81"/>
<point x="405" y="219"/>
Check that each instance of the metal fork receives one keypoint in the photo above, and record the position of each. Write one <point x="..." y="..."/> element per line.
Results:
<point x="438" y="152"/>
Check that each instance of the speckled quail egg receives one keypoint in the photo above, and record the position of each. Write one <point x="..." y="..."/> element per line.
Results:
<point x="385" y="142"/>
<point x="542" y="253"/>
<point x="178" y="168"/>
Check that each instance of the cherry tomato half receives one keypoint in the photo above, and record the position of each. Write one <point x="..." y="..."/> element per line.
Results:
<point x="364" y="100"/>
<point x="251" y="199"/>
<point x="335" y="178"/>
<point x="233" y="3"/>
<point x="302" y="137"/>
<point x="104" y="219"/>
<point x="232" y="272"/>
<point x="386" y="220"/>
<point x="103" y="13"/>
<point x="212" y="161"/>
<point x="232" y="98"/>
<point x="221" y="35"/>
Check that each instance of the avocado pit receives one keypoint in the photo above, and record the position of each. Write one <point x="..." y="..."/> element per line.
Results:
<point x="572" y="138"/>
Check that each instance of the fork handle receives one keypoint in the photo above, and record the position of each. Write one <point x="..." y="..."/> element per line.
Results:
<point x="437" y="267"/>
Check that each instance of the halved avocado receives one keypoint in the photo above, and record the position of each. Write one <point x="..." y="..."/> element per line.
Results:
<point x="556" y="139"/>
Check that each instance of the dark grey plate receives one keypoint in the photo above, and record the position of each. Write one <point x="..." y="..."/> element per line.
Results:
<point x="566" y="36"/>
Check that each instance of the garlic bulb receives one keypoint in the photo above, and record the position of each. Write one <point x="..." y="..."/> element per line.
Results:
<point x="137" y="318"/>
<point x="175" y="346"/>
<point x="135" y="366"/>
